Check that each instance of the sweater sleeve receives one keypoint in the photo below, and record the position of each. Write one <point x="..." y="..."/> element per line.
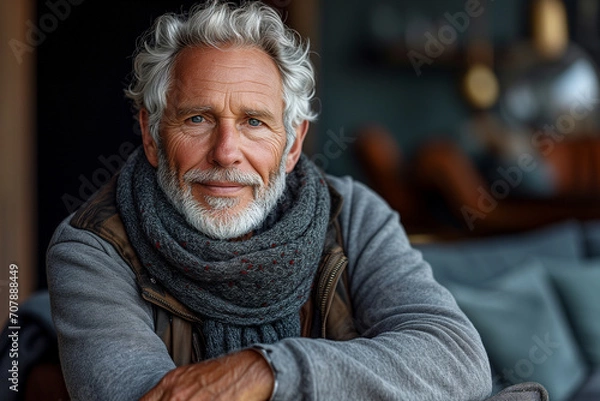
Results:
<point x="107" y="344"/>
<point x="414" y="344"/>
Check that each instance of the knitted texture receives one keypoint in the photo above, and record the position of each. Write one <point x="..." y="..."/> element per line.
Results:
<point x="246" y="291"/>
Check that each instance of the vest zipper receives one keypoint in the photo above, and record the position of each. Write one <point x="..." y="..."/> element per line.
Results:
<point x="198" y="343"/>
<point x="327" y="283"/>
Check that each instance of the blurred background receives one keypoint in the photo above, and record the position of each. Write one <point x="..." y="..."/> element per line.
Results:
<point x="471" y="118"/>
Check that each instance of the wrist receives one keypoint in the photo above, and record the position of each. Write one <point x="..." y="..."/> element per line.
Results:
<point x="266" y="355"/>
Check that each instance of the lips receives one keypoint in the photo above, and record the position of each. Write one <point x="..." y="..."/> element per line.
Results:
<point x="219" y="188"/>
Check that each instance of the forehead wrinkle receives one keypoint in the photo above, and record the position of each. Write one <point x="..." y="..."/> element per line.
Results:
<point x="188" y="88"/>
<point x="200" y="101"/>
<point x="215" y="61"/>
<point x="258" y="98"/>
<point x="238" y="82"/>
<point x="248" y="62"/>
<point x="218" y="77"/>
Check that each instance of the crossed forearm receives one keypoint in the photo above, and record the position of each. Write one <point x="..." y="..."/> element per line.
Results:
<point x="243" y="375"/>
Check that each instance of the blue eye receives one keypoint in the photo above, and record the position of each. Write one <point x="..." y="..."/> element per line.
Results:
<point x="197" y="119"/>
<point x="254" y="122"/>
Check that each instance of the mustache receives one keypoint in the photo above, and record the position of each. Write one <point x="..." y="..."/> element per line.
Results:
<point x="222" y="175"/>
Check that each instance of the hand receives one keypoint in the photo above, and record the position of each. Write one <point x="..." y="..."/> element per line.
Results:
<point x="244" y="375"/>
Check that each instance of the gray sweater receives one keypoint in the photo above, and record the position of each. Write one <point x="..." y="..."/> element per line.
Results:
<point x="415" y="343"/>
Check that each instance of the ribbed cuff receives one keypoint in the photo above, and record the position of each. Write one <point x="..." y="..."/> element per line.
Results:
<point x="266" y="354"/>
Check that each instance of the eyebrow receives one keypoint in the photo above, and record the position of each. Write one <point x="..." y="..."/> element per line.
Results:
<point x="260" y="114"/>
<point x="186" y="111"/>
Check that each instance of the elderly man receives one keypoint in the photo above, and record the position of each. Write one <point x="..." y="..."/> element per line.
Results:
<point x="221" y="264"/>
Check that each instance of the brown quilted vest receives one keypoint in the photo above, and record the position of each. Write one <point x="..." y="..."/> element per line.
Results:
<point x="327" y="313"/>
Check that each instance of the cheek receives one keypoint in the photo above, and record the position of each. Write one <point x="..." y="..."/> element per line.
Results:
<point x="181" y="152"/>
<point x="268" y="156"/>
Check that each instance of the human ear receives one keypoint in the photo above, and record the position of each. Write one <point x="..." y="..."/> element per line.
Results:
<point x="150" y="146"/>
<point x="296" y="149"/>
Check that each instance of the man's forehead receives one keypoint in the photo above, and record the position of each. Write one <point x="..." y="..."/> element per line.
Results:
<point x="230" y="63"/>
<point x="201" y="75"/>
<point x="187" y="101"/>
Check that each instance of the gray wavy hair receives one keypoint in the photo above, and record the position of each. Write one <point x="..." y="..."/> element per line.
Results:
<point x="219" y="24"/>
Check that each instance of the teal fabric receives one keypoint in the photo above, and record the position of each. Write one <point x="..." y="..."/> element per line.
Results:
<point x="475" y="261"/>
<point x="591" y="233"/>
<point x="524" y="329"/>
<point x="578" y="285"/>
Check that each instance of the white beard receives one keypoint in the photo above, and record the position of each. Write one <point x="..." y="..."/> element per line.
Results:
<point x="219" y="220"/>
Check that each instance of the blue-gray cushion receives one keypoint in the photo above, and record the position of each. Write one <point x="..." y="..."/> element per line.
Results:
<point x="475" y="261"/>
<point x="591" y="234"/>
<point x="590" y="389"/>
<point x="524" y="329"/>
<point x="529" y="391"/>
<point x="578" y="285"/>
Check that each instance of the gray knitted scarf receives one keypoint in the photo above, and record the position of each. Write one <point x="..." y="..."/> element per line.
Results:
<point x="248" y="291"/>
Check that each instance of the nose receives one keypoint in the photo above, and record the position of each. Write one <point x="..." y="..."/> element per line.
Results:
<point x="225" y="148"/>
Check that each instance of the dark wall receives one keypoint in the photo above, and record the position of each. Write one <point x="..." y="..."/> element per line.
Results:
<point x="85" y="125"/>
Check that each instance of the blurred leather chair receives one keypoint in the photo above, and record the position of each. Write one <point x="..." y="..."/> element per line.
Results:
<point x="441" y="169"/>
